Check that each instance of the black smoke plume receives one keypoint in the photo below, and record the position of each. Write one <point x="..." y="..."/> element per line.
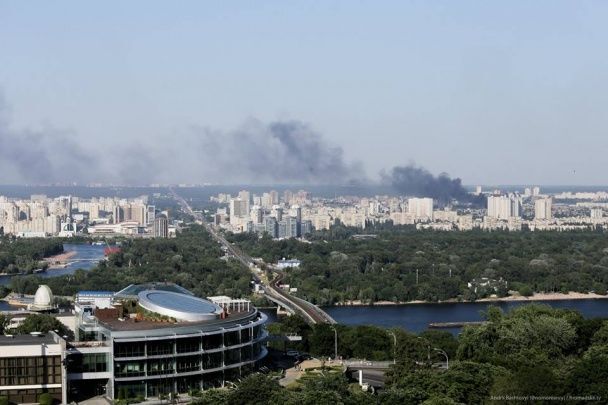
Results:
<point x="275" y="152"/>
<point x="416" y="181"/>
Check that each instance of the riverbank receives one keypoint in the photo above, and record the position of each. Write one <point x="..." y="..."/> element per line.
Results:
<point x="60" y="260"/>
<point x="546" y="297"/>
<point x="511" y="298"/>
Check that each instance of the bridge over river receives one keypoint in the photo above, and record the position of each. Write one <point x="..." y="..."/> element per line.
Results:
<point x="293" y="305"/>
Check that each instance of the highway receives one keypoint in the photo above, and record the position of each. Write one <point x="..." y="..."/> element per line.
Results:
<point x="310" y="312"/>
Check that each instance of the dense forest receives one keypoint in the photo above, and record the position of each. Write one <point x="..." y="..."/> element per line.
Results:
<point x="18" y="255"/>
<point x="192" y="260"/>
<point x="532" y="350"/>
<point x="404" y="264"/>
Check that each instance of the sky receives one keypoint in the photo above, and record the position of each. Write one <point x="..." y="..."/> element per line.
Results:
<point x="511" y="92"/>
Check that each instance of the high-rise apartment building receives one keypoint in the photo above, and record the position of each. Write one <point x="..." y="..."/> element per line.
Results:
<point x="274" y="197"/>
<point x="504" y="206"/>
<point x="161" y="227"/>
<point x="596" y="213"/>
<point x="420" y="208"/>
<point x="271" y="226"/>
<point x="256" y="214"/>
<point x="239" y="208"/>
<point x="245" y="196"/>
<point x="151" y="214"/>
<point x="542" y="208"/>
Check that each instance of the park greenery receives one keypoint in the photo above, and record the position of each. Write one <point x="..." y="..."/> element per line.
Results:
<point x="21" y="255"/>
<point x="192" y="260"/>
<point x="532" y="350"/>
<point x="403" y="264"/>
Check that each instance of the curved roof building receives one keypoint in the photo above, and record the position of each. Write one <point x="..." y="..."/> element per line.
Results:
<point x="179" y="306"/>
<point x="171" y="342"/>
<point x="43" y="300"/>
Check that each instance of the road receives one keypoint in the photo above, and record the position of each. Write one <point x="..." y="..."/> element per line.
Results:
<point x="308" y="311"/>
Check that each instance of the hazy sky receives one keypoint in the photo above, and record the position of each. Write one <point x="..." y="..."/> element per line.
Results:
<point x="508" y="92"/>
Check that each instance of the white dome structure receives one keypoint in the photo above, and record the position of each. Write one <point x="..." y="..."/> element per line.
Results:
<point x="43" y="300"/>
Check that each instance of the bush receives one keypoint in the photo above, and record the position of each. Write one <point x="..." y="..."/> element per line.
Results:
<point x="526" y="291"/>
<point x="4" y="400"/>
<point x="46" y="399"/>
<point x="195" y="392"/>
<point x="122" y="393"/>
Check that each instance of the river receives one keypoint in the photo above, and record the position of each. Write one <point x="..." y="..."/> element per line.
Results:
<point x="87" y="257"/>
<point x="416" y="317"/>
<point x="412" y="317"/>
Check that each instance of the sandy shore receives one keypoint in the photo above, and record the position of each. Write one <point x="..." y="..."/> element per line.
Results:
<point x="60" y="259"/>
<point x="547" y="297"/>
<point x="512" y="298"/>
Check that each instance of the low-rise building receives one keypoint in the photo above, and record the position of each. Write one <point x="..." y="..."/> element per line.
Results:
<point x="32" y="365"/>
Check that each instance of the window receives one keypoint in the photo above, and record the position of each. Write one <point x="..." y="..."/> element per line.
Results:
<point x="188" y="345"/>
<point x="161" y="367"/>
<point x="212" y="360"/>
<point x="212" y="341"/>
<point x="30" y="370"/>
<point x="87" y="363"/>
<point x="246" y="353"/>
<point x="129" y="369"/>
<point x="189" y="363"/>
<point x="246" y="335"/>
<point x="160" y="348"/>
<point x="130" y="349"/>
<point x="232" y="338"/>
<point x="232" y="356"/>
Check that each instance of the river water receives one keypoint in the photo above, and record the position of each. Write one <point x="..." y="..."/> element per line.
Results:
<point x="416" y="317"/>
<point x="87" y="257"/>
<point x="412" y="317"/>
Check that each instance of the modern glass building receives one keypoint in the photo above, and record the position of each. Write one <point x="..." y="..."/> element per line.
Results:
<point x="156" y="340"/>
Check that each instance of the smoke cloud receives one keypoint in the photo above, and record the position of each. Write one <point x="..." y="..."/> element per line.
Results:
<point x="287" y="152"/>
<point x="42" y="156"/>
<point x="416" y="181"/>
<point x="275" y="152"/>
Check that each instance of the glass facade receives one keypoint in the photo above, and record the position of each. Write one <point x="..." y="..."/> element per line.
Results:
<point x="129" y="368"/>
<point x="232" y="338"/>
<point x="213" y="342"/>
<point x="87" y="363"/>
<point x="188" y="345"/>
<point x="130" y="349"/>
<point x="30" y="370"/>
<point x="178" y="364"/>
<point x="25" y="371"/>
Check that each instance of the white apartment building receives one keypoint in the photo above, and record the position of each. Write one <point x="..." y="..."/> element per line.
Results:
<point x="504" y="206"/>
<point x="420" y="208"/>
<point x="542" y="208"/>
<point x="596" y="213"/>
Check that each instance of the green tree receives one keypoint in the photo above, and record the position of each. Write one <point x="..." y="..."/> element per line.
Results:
<point x="254" y="389"/>
<point x="213" y="397"/>
<point x="3" y="323"/>
<point x="44" y="323"/>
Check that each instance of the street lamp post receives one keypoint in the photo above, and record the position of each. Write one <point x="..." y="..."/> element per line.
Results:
<point x="447" y="359"/>
<point x="428" y="349"/>
<point x="335" y="342"/>
<point x="392" y="333"/>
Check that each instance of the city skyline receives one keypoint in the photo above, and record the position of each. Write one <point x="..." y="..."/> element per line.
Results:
<point x="285" y="93"/>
